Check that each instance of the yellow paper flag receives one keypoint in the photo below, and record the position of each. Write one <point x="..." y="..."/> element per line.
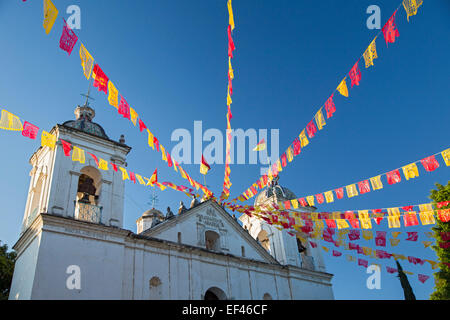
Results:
<point x="411" y="7"/>
<point x="230" y="14"/>
<point x="124" y="173"/>
<point x="48" y="139"/>
<point x="150" y="139"/>
<point x="78" y="155"/>
<point x="376" y="183"/>
<point x="393" y="222"/>
<point x="133" y="116"/>
<point x="342" y="88"/>
<point x="87" y="61"/>
<point x="329" y="196"/>
<point x="351" y="190"/>
<point x="103" y="164"/>
<point x="320" y="120"/>
<point x="370" y="54"/>
<point x="50" y="14"/>
<point x="410" y="171"/>
<point x="303" y="139"/>
<point x="113" y="97"/>
<point x="310" y="200"/>
<point x="446" y="156"/>
<point x="9" y="121"/>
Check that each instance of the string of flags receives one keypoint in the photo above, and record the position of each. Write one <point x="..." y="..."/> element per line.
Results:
<point x="231" y="47"/>
<point x="390" y="33"/>
<point x="102" y="82"/>
<point x="365" y="263"/>
<point x="410" y="171"/>
<point x="11" y="122"/>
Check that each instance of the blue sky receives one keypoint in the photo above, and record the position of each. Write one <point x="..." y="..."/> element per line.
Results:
<point x="169" y="59"/>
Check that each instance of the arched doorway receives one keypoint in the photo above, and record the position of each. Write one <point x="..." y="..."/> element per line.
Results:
<point x="215" y="293"/>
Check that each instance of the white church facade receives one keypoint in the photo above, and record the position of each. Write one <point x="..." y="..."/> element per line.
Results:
<point x="73" y="224"/>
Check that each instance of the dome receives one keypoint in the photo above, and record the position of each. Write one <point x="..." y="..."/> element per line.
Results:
<point x="153" y="213"/>
<point x="274" y="193"/>
<point x="83" y="122"/>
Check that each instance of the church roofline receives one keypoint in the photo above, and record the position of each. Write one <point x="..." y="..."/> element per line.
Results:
<point x="233" y="222"/>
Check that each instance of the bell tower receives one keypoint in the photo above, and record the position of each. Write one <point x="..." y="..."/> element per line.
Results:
<point x="60" y="186"/>
<point x="287" y="249"/>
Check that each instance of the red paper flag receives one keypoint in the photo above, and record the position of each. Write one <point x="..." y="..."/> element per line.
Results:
<point x="412" y="236"/>
<point x="391" y="270"/>
<point x="94" y="157"/>
<point x="389" y="30"/>
<point x="378" y="220"/>
<point x="330" y="223"/>
<point x="393" y="177"/>
<point x="355" y="74"/>
<point x="231" y="46"/>
<point x="422" y="277"/>
<point x="363" y="263"/>
<point x="353" y="235"/>
<point x="330" y="107"/>
<point x="297" y="146"/>
<point x="287" y="204"/>
<point x="156" y="142"/>
<point x="29" y="130"/>
<point x="284" y="160"/>
<point x="380" y="239"/>
<point x="303" y="202"/>
<point x="169" y="160"/>
<point x="407" y="208"/>
<point x="132" y="176"/>
<point x="320" y="198"/>
<point x="311" y="129"/>
<point x="430" y="163"/>
<point x="336" y="253"/>
<point x="444" y="215"/>
<point x="68" y="39"/>
<point x="354" y="223"/>
<point x="364" y="186"/>
<point x="66" y="147"/>
<point x="339" y="193"/>
<point x="142" y="125"/>
<point x="410" y="219"/>
<point x="114" y="166"/>
<point x="100" y="79"/>
<point x="124" y="108"/>
<point x="313" y="244"/>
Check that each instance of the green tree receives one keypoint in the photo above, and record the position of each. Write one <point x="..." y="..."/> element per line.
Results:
<point x="7" y="260"/>
<point x="442" y="277"/>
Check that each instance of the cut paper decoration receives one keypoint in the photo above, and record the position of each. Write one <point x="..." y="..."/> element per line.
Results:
<point x="50" y="15"/>
<point x="310" y="200"/>
<point x="113" y="97"/>
<point x="48" y="140"/>
<point x="342" y="88"/>
<point x="230" y="15"/>
<point x="329" y="196"/>
<point x="67" y="147"/>
<point x="133" y="115"/>
<point x="422" y="277"/>
<point x="260" y="146"/>
<point x="355" y="74"/>
<point x="394" y="242"/>
<point x="330" y="107"/>
<point x="125" y="175"/>
<point x="304" y="140"/>
<point x="411" y="7"/>
<point x="94" y="157"/>
<point x="393" y="177"/>
<point x="412" y="236"/>
<point x="142" y="125"/>
<point x="351" y="190"/>
<point x="390" y="31"/>
<point x="311" y="129"/>
<point x="68" y="39"/>
<point x="297" y="147"/>
<point x="320" y="120"/>
<point x="336" y="253"/>
<point x="103" y="164"/>
<point x="204" y="166"/>
<point x="363" y="263"/>
<point x="446" y="156"/>
<point x="376" y="183"/>
<point x="339" y="193"/>
<point x="114" y="167"/>
<point x="29" y="130"/>
<point x="430" y="163"/>
<point x="410" y="171"/>
<point x="393" y="222"/>
<point x="231" y="46"/>
<point x="124" y="108"/>
<point x="100" y="79"/>
<point x="87" y="61"/>
<point x="320" y="198"/>
<point x="410" y="219"/>
<point x="9" y="121"/>
<point x="363" y="186"/>
<point x="370" y="54"/>
<point x="78" y="155"/>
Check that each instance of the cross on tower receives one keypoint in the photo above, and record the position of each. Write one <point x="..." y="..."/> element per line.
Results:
<point x="153" y="198"/>
<point x="87" y="96"/>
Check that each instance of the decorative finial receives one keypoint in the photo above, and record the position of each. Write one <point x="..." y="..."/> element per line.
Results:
<point x="122" y="139"/>
<point x="86" y="104"/>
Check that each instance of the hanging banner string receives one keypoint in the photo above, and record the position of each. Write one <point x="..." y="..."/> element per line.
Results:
<point x="318" y="122"/>
<point x="12" y="122"/>
<point x="102" y="83"/>
<point x="231" y="47"/>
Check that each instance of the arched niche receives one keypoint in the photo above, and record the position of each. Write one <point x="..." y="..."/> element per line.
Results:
<point x="212" y="240"/>
<point x="89" y="182"/>
<point x="155" y="288"/>
<point x="263" y="239"/>
<point x="267" y="296"/>
<point x="215" y="293"/>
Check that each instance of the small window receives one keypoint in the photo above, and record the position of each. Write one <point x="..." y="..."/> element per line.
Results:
<point x="243" y="251"/>
<point x="179" y="237"/>
<point x="212" y="240"/>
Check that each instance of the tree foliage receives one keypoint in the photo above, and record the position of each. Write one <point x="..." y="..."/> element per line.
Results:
<point x="442" y="277"/>
<point x="7" y="260"/>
